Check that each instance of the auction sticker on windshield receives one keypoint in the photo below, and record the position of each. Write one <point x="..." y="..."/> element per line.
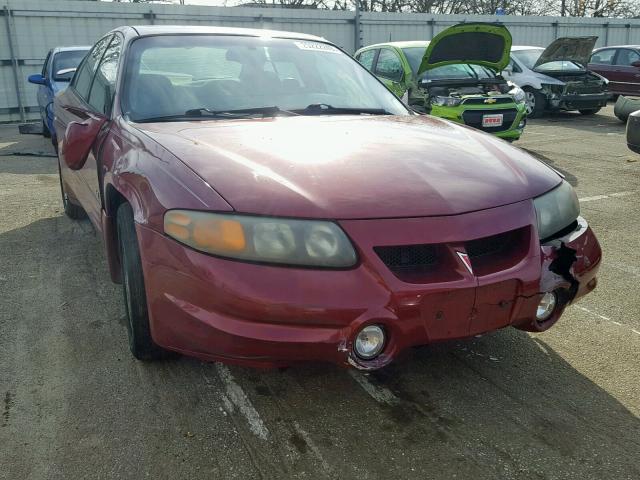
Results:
<point x="494" y="120"/>
<point x="317" y="46"/>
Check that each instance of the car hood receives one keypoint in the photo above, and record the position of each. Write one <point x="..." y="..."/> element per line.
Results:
<point x="483" y="44"/>
<point x="347" y="167"/>
<point x="572" y="49"/>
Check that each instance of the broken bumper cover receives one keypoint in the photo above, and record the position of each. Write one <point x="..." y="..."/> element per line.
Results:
<point x="266" y="316"/>
<point x="579" y="101"/>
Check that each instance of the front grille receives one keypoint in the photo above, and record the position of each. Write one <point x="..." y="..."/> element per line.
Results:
<point x="489" y="245"/>
<point x="473" y="118"/>
<point x="481" y="101"/>
<point x="408" y="257"/>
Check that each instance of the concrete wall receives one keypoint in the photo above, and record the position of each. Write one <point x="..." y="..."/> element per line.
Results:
<point x="29" y="28"/>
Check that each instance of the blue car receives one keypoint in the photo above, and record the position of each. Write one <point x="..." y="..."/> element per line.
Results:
<point x="57" y="72"/>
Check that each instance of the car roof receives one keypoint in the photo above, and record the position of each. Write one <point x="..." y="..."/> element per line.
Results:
<point x="525" y="47"/>
<point x="405" y="44"/>
<point x="145" y="30"/>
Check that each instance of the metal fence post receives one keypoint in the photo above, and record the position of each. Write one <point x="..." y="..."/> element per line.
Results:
<point x="14" y="62"/>
<point x="357" y="28"/>
<point x="555" y="30"/>
<point x="432" y="28"/>
<point x="628" y="27"/>
<point x="606" y="34"/>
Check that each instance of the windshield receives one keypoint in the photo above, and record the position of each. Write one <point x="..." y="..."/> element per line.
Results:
<point x="173" y="74"/>
<point x="414" y="57"/>
<point x="559" y="66"/>
<point x="64" y="60"/>
<point x="528" y="57"/>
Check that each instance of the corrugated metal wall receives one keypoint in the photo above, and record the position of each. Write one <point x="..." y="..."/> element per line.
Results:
<point x="29" y="28"/>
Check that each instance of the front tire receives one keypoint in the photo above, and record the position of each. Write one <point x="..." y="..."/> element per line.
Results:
<point x="141" y="343"/>
<point x="536" y="103"/>
<point x="589" y="111"/>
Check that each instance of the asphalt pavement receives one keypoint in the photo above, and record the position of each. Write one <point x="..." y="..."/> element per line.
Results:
<point x="74" y="404"/>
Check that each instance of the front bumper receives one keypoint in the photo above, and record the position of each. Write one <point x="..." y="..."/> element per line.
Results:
<point x="469" y="115"/>
<point x="261" y="315"/>
<point x="584" y="101"/>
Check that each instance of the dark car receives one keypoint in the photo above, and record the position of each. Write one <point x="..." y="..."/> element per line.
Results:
<point x="265" y="200"/>
<point x="621" y="66"/>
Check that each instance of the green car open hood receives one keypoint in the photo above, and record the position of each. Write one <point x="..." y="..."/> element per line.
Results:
<point x="572" y="49"/>
<point x="485" y="44"/>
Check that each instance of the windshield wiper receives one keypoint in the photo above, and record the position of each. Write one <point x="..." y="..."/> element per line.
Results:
<point x="265" y="111"/>
<point x="326" y="109"/>
<point x="206" y="113"/>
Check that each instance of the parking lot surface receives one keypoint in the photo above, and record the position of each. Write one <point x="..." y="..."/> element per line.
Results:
<point x="557" y="405"/>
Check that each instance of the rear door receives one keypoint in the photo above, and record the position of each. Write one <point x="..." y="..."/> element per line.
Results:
<point x="627" y="71"/>
<point x="389" y="69"/>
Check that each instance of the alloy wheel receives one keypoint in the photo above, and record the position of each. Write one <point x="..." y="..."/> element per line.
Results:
<point x="530" y="102"/>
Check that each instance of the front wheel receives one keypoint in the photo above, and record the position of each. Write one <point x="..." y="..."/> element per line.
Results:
<point x="535" y="102"/>
<point x="141" y="344"/>
<point x="589" y="111"/>
<point x="45" y="130"/>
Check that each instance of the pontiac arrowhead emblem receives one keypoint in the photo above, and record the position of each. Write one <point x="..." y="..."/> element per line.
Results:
<point x="466" y="260"/>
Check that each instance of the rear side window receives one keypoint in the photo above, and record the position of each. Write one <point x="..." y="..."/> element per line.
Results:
<point x="366" y="59"/>
<point x="45" y="68"/>
<point x="626" y="57"/>
<point x="105" y="78"/>
<point x="82" y="80"/>
<point x="603" y="57"/>
<point x="389" y="65"/>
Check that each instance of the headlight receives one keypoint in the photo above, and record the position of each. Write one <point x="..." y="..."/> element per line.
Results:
<point x="446" y="101"/>
<point x="518" y="94"/>
<point x="262" y="239"/>
<point x="556" y="210"/>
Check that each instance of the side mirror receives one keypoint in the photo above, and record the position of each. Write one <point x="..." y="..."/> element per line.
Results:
<point x="64" y="75"/>
<point x="37" y="79"/>
<point x="78" y="139"/>
<point x="636" y="64"/>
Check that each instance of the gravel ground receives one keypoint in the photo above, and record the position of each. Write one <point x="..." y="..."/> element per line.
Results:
<point x="75" y="404"/>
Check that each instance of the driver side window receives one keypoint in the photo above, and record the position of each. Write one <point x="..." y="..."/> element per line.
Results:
<point x="389" y="65"/>
<point x="84" y="76"/>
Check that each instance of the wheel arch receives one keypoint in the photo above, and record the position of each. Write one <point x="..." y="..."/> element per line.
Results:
<point x="113" y="198"/>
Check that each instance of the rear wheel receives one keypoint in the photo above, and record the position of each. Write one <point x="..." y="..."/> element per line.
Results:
<point x="535" y="102"/>
<point x="589" y="111"/>
<point x="45" y="130"/>
<point x="71" y="210"/>
<point x="141" y="344"/>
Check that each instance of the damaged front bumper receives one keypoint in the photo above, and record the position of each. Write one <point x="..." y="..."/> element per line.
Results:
<point x="569" y="268"/>
<point x="265" y="316"/>
<point x="561" y="98"/>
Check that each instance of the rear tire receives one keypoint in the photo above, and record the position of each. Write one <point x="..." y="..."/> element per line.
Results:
<point x="45" y="130"/>
<point x="141" y="343"/>
<point x="589" y="111"/>
<point x="536" y="103"/>
<point x="71" y="210"/>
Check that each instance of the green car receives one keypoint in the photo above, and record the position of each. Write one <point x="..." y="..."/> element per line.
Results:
<point x="455" y="76"/>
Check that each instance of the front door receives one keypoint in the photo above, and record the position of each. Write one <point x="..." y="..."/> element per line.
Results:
<point x="389" y="69"/>
<point x="627" y="71"/>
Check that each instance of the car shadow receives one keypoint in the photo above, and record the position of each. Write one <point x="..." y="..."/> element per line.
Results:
<point x="502" y="405"/>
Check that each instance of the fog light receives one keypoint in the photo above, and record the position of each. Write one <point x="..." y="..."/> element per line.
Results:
<point x="369" y="342"/>
<point x="546" y="306"/>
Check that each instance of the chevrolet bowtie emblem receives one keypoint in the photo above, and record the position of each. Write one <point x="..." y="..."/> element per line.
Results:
<point x="466" y="260"/>
<point x="490" y="100"/>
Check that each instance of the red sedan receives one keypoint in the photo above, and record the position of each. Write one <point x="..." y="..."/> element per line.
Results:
<point x="265" y="200"/>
